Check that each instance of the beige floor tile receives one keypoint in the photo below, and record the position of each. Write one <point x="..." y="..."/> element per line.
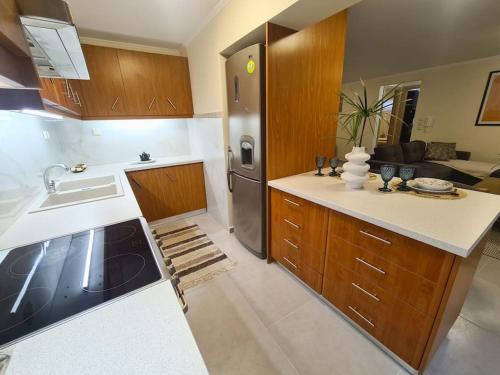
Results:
<point x="271" y="292"/>
<point x="318" y="341"/>
<point x="229" y="334"/>
<point x="482" y="306"/>
<point x="490" y="271"/>
<point x="467" y="350"/>
<point x="207" y="224"/>
<point x="483" y="262"/>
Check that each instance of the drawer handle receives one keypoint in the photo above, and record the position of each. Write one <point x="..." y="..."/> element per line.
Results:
<point x="366" y="233"/>
<point x="355" y="311"/>
<point x="292" y="202"/>
<point x="290" y="263"/>
<point x="291" y="223"/>
<point x="380" y="270"/>
<point x="357" y="286"/>
<point x="296" y="247"/>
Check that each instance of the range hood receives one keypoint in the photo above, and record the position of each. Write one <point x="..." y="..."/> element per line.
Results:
<point x="52" y="38"/>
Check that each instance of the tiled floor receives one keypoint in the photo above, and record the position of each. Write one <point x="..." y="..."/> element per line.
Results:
<point x="257" y="319"/>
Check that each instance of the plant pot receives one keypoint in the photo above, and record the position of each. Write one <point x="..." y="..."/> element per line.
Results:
<point x="356" y="169"/>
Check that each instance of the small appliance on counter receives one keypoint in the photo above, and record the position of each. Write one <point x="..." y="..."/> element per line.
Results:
<point x="145" y="158"/>
<point x="78" y="168"/>
<point x="45" y="283"/>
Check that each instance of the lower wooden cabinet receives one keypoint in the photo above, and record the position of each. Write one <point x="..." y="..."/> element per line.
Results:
<point x="169" y="191"/>
<point x="404" y="293"/>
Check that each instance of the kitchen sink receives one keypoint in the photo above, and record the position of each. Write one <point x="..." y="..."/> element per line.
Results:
<point x="81" y="191"/>
<point x="85" y="183"/>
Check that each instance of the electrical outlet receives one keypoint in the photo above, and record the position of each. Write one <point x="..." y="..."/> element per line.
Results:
<point x="46" y="135"/>
<point x="96" y="132"/>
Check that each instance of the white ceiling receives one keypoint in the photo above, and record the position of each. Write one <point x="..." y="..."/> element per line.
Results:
<point x="386" y="37"/>
<point x="160" y="23"/>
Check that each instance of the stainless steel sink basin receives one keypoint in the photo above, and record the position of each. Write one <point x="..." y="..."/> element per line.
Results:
<point x="81" y="191"/>
<point x="85" y="183"/>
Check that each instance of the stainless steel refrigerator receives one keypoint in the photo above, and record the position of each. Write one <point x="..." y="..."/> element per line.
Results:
<point x="245" y="76"/>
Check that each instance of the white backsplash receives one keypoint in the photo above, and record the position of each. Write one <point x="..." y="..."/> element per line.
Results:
<point x="207" y="142"/>
<point x="24" y="152"/>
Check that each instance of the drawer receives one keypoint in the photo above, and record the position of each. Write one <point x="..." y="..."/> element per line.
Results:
<point x="409" y="287"/>
<point x="288" y="258"/>
<point x="394" y="323"/>
<point x="293" y="208"/>
<point x="412" y="255"/>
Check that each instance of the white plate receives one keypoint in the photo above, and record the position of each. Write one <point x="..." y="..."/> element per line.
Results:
<point x="433" y="184"/>
<point x="413" y="185"/>
<point x="145" y="161"/>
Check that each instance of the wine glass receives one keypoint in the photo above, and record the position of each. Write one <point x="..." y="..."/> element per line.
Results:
<point x="320" y="163"/>
<point x="387" y="172"/>
<point x="334" y="163"/>
<point x="405" y="173"/>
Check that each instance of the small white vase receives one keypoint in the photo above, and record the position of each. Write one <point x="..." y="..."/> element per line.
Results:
<point x="356" y="169"/>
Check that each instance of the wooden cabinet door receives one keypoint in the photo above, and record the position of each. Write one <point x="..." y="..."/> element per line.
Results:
<point x="172" y="83"/>
<point x="165" y="192"/>
<point x="137" y="70"/>
<point x="60" y="96"/>
<point x="11" y="32"/>
<point x="48" y="90"/>
<point x="103" y="95"/>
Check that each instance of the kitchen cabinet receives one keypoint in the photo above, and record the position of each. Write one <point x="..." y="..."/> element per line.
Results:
<point x="404" y="293"/>
<point x="61" y="96"/>
<point x="104" y="94"/>
<point x="132" y="84"/>
<point x="169" y="191"/>
<point x="298" y="236"/>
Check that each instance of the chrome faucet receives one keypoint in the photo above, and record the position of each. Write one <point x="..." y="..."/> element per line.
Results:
<point x="50" y="185"/>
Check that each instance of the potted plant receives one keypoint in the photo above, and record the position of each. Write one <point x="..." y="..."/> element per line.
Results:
<point x="354" y="122"/>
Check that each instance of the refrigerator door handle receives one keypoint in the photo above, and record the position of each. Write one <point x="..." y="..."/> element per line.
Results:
<point x="230" y="157"/>
<point x="236" y="89"/>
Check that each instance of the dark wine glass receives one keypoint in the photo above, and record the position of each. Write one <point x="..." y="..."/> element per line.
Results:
<point x="387" y="172"/>
<point x="334" y="163"/>
<point x="406" y="174"/>
<point x="320" y="163"/>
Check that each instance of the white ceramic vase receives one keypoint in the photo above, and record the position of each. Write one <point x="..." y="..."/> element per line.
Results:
<point x="356" y="169"/>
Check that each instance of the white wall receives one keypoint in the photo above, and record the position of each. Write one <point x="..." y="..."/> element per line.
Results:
<point x="206" y="139"/>
<point x="451" y="95"/>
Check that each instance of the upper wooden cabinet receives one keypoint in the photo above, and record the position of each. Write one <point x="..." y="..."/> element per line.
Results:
<point x="128" y="84"/>
<point x="61" y="96"/>
<point x="104" y="94"/>
<point x="11" y="33"/>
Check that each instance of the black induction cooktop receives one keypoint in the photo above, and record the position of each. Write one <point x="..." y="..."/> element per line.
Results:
<point x="44" y="283"/>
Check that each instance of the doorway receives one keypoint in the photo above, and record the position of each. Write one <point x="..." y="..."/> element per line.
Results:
<point x="396" y="123"/>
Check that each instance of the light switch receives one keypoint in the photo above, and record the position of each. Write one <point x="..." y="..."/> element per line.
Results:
<point x="46" y="135"/>
<point x="96" y="132"/>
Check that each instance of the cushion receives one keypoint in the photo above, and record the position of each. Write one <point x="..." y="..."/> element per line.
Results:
<point x="440" y="151"/>
<point x="389" y="153"/>
<point x="432" y="170"/>
<point x="413" y="151"/>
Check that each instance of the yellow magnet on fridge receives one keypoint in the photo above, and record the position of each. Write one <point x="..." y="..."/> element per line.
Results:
<point x="250" y="66"/>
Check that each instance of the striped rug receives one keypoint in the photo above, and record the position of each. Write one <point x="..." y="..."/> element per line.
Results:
<point x="492" y="248"/>
<point x="194" y="256"/>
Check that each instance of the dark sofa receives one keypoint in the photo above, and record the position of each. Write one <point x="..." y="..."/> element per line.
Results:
<point x="412" y="153"/>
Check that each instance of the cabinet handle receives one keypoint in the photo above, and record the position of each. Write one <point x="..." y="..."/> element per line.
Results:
<point x="151" y="104"/>
<point x="68" y="90"/>
<point x="290" y="263"/>
<point x="291" y="223"/>
<point x="172" y="104"/>
<point x="135" y="182"/>
<point x="355" y="311"/>
<point x="296" y="247"/>
<point x="115" y="103"/>
<point x="78" y="102"/>
<point x="292" y="202"/>
<point x="366" y="233"/>
<point x="362" y="261"/>
<point x="357" y="286"/>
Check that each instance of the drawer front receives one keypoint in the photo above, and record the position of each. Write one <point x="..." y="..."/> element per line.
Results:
<point x="412" y="255"/>
<point x="292" y="208"/>
<point x="288" y="257"/>
<point x="415" y="290"/>
<point x="394" y="323"/>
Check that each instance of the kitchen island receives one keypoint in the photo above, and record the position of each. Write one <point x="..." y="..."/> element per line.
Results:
<point x="396" y="265"/>
<point x="143" y="332"/>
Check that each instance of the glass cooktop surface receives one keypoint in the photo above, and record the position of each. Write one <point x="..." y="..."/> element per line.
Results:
<point x="44" y="283"/>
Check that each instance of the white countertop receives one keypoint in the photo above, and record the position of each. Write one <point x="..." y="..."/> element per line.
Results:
<point x="452" y="225"/>
<point x="43" y="225"/>
<point x="145" y="333"/>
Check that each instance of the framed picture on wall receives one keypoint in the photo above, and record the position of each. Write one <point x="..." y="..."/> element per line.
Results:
<point x="489" y="112"/>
